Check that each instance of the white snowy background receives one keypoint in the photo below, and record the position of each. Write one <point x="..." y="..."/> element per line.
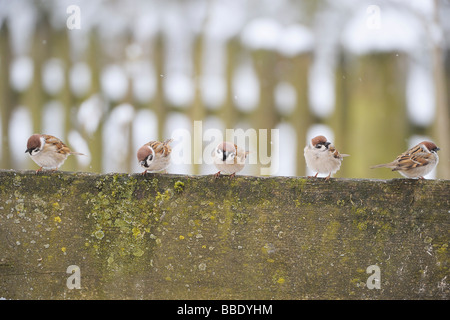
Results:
<point x="282" y="26"/>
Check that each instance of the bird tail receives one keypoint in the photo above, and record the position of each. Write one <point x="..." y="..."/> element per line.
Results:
<point x="384" y="165"/>
<point x="167" y="141"/>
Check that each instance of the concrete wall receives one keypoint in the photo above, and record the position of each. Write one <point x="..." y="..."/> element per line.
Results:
<point x="193" y="237"/>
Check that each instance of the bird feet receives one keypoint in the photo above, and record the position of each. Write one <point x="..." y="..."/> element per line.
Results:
<point x="327" y="178"/>
<point x="217" y="175"/>
<point x="41" y="169"/>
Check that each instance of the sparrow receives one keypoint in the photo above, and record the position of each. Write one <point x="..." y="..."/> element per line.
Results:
<point x="416" y="162"/>
<point x="154" y="156"/>
<point x="48" y="151"/>
<point x="229" y="158"/>
<point x="322" y="157"/>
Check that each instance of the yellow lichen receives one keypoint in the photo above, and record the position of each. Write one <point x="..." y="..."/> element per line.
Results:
<point x="179" y="186"/>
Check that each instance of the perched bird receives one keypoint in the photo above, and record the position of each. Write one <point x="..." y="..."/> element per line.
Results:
<point x="48" y="151"/>
<point x="322" y="157"/>
<point x="416" y="162"/>
<point x="229" y="158"/>
<point x="154" y="156"/>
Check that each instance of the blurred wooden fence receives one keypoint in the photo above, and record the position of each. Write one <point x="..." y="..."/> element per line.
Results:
<point x="369" y="120"/>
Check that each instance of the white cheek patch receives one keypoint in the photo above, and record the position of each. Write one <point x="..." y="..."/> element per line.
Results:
<point x="151" y="157"/>
<point x="230" y="158"/>
<point x="218" y="154"/>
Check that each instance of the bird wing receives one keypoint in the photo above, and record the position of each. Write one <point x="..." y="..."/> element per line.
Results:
<point x="161" y="148"/>
<point x="332" y="149"/>
<point x="167" y="141"/>
<point x="59" y="145"/>
<point x="413" y="158"/>
<point x="241" y="154"/>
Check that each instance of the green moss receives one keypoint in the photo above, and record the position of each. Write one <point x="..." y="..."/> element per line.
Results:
<point x="362" y="226"/>
<point x="179" y="186"/>
<point x="340" y="203"/>
<point x="427" y="239"/>
<point x="279" y="277"/>
<point x="119" y="207"/>
<point x="443" y="257"/>
<point x="161" y="197"/>
<point x="99" y="234"/>
<point x="359" y="211"/>
<point x="331" y="231"/>
<point x="443" y="249"/>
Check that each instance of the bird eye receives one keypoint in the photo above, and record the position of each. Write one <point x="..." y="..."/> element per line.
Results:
<point x="218" y="151"/>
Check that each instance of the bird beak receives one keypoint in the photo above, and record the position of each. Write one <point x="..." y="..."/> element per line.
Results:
<point x="437" y="149"/>
<point x="224" y="156"/>
<point x="143" y="163"/>
<point x="327" y="144"/>
<point x="28" y="150"/>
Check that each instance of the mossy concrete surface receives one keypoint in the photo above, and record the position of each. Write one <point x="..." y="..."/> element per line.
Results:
<point x="195" y="237"/>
